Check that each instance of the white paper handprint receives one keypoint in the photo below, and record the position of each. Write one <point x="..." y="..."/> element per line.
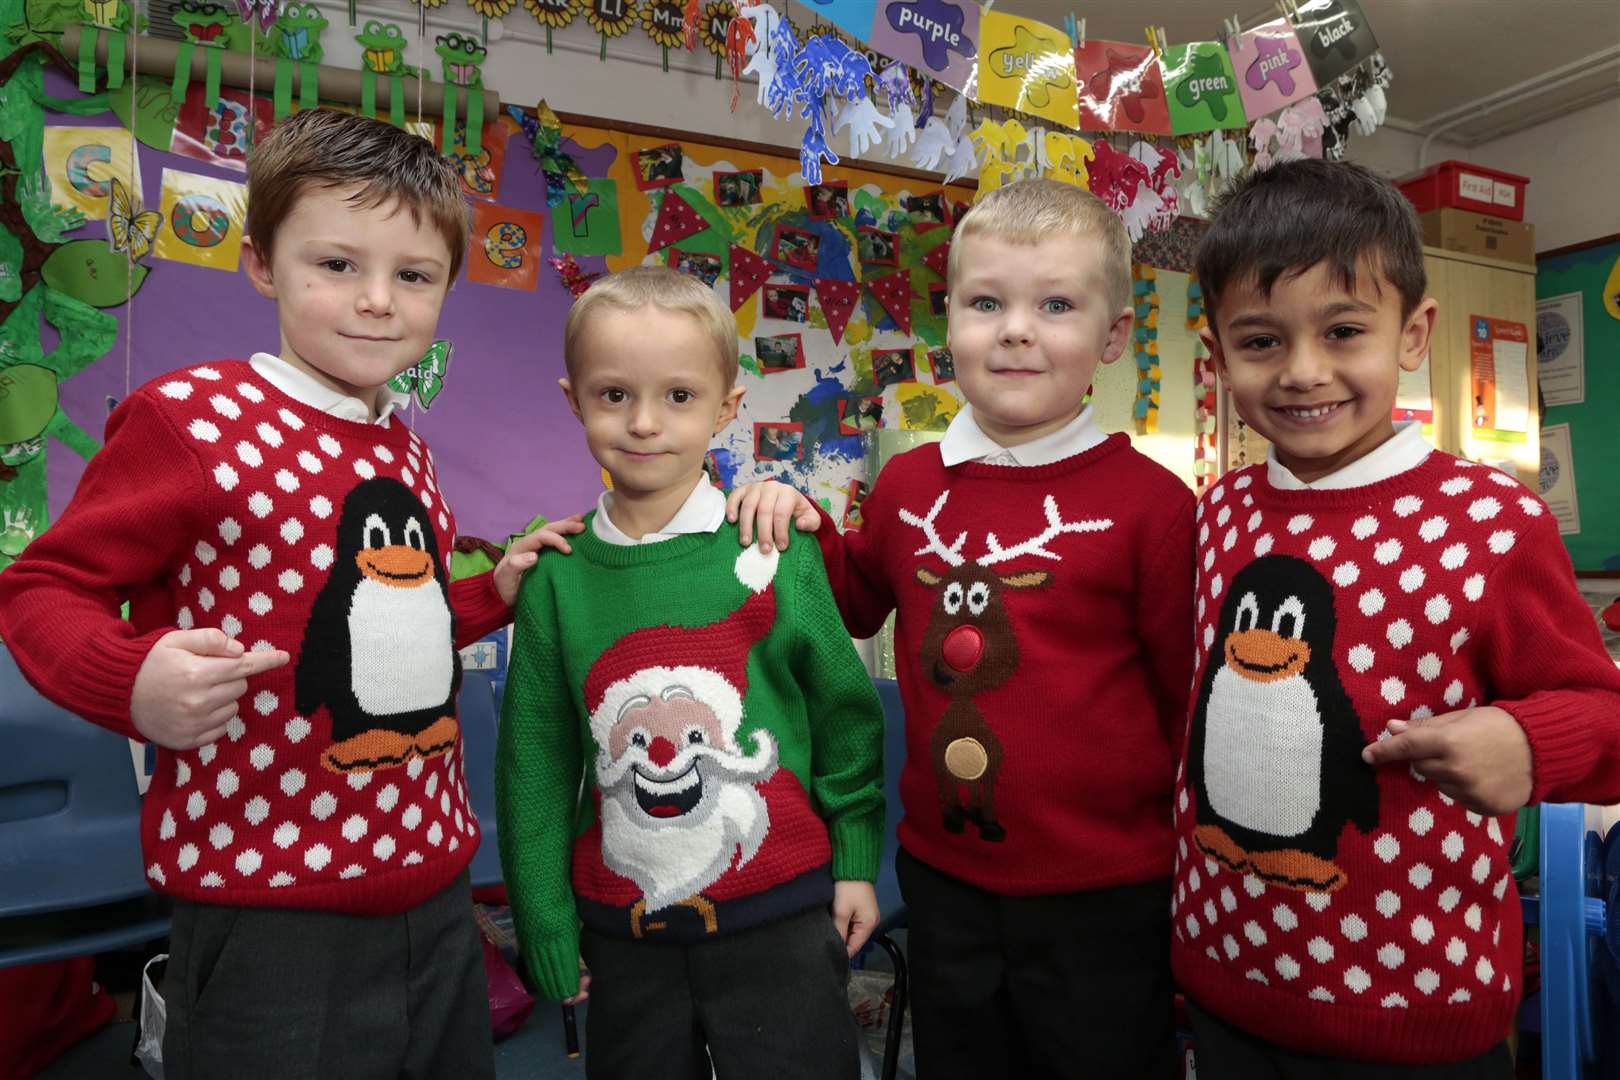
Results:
<point x="864" y="123"/>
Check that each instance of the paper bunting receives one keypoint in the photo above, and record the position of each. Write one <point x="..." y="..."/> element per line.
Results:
<point x="838" y="300"/>
<point x="1336" y="37"/>
<point x="748" y="273"/>
<point x="676" y="221"/>
<point x="940" y="38"/>
<point x="1270" y="68"/>
<point x="1121" y="88"/>
<point x="1028" y="66"/>
<point x="1201" y="89"/>
<point x="939" y="259"/>
<point x="893" y="291"/>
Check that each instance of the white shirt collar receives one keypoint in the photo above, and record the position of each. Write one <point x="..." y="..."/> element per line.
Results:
<point x="965" y="440"/>
<point x="1401" y="452"/>
<point x="703" y="512"/>
<point x="305" y="389"/>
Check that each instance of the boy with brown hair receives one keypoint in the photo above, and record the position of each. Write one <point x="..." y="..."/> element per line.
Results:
<point x="284" y="545"/>
<point x="1393" y="657"/>
<point x="690" y="760"/>
<point x="1041" y="573"/>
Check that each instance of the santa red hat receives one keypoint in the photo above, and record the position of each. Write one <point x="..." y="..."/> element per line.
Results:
<point x="710" y="661"/>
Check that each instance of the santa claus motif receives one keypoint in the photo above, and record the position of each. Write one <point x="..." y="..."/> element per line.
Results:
<point x="679" y="801"/>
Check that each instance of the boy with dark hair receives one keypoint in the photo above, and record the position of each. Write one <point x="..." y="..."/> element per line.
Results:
<point x="1393" y="659"/>
<point x="284" y="547"/>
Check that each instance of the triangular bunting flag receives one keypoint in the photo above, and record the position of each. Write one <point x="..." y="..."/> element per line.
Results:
<point x="676" y="221"/>
<point x="893" y="291"/>
<point x="938" y="259"/>
<point x="748" y="273"/>
<point x="838" y="299"/>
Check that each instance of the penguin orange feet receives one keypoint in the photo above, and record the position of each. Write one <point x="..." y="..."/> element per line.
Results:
<point x="1213" y="841"/>
<point x="1297" y="870"/>
<point x="374" y="749"/>
<point x="437" y="737"/>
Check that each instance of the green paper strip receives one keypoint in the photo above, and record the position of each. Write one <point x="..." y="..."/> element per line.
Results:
<point x="396" y="101"/>
<point x="211" y="86"/>
<point x="309" y="85"/>
<point x="115" y="59"/>
<point x="475" y="122"/>
<point x="182" y="72"/>
<point x="447" y="139"/>
<point x="282" y="96"/>
<point x="368" y="92"/>
<point x="87" y="57"/>
<point x="665" y="50"/>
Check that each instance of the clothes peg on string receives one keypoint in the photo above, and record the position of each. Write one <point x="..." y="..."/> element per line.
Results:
<point x="1072" y="29"/>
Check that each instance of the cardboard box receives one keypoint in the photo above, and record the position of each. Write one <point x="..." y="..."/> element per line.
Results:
<point x="1476" y="234"/>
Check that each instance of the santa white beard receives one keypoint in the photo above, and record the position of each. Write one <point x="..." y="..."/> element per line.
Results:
<point x="675" y="857"/>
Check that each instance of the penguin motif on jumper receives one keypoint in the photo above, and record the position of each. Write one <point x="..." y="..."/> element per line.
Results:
<point x="379" y="648"/>
<point x="1274" y="749"/>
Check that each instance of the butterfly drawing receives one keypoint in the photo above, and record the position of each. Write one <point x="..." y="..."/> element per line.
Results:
<point x="425" y="378"/>
<point x="130" y="228"/>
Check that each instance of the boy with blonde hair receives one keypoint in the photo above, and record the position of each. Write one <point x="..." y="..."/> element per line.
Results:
<point x="283" y="543"/>
<point x="727" y="736"/>
<point x="1039" y="571"/>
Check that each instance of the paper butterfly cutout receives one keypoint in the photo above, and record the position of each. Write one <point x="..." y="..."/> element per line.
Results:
<point x="130" y="228"/>
<point x="424" y="379"/>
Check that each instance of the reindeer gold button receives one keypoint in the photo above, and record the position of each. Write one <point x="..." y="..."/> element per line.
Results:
<point x="966" y="759"/>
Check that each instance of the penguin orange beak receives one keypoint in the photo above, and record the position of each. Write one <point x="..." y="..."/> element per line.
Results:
<point x="397" y="565"/>
<point x="1266" y="656"/>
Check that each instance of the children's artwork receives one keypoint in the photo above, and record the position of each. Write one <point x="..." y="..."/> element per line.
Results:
<point x="382" y="53"/>
<point x="424" y="379"/>
<point x="893" y="291"/>
<point x="860" y="415"/>
<point x="779" y="352"/>
<point x="943" y="365"/>
<point x="748" y="273"/>
<point x="1335" y="35"/>
<point x="796" y="248"/>
<point x="677" y="219"/>
<point x="1028" y="66"/>
<point x="203" y="218"/>
<point x="505" y="247"/>
<point x="82" y="162"/>
<point x="737" y="188"/>
<point x="939" y="38"/>
<point x="552" y="14"/>
<point x="665" y="23"/>
<point x="778" y="442"/>
<point x="925" y="211"/>
<point x="876" y="247"/>
<point x="220" y="135"/>
<point x="838" y="299"/>
<point x="828" y="201"/>
<point x="461" y="57"/>
<point x="298" y="42"/>
<point x="1270" y="68"/>
<point x="852" y="507"/>
<point x="479" y="172"/>
<point x="1121" y="88"/>
<point x="587" y="223"/>
<point x="129" y="228"/>
<point x="1201" y="88"/>
<point x="891" y="366"/>
<point x="659" y="166"/>
<point x="790" y="302"/>
<point x="203" y="24"/>
<point x="706" y="268"/>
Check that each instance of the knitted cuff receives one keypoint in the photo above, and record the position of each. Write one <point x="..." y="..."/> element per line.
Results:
<point x="102" y="690"/>
<point x="857" y="846"/>
<point x="1560" y="749"/>
<point x="554" y="966"/>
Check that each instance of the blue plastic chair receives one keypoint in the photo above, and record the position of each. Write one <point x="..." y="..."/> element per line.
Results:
<point x="70" y="841"/>
<point x="480" y="719"/>
<point x="890" y="904"/>
<point x="1574" y="939"/>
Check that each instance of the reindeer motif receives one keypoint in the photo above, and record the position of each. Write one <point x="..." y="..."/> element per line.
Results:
<point x="970" y="647"/>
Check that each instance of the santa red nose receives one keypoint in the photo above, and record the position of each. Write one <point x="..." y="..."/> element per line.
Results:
<point x="964" y="648"/>
<point x="661" y="752"/>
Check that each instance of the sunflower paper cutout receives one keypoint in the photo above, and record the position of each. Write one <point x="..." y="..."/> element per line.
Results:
<point x="717" y="17"/>
<point x="552" y="14"/>
<point x="611" y="18"/>
<point x="492" y="9"/>
<point x="665" y="22"/>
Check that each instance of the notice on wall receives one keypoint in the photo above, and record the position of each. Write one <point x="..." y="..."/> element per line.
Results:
<point x="1560" y="350"/>
<point x="1498" y="351"/>
<point x="1414" y="397"/>
<point x="1557" y="480"/>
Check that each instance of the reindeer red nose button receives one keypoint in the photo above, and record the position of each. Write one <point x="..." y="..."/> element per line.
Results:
<point x="963" y="648"/>
<point x="661" y="752"/>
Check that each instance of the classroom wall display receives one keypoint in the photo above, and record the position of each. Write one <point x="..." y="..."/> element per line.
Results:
<point x="1577" y="345"/>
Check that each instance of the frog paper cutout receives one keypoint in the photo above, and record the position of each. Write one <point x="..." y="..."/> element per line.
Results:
<point x="112" y="18"/>
<point x="298" y="41"/>
<point x="461" y="56"/>
<point x="383" y="53"/>
<point x="204" y="24"/>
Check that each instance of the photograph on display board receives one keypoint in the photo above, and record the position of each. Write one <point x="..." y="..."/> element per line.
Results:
<point x="936" y="298"/>
<point x="852" y="508"/>
<point x="790" y="302"/>
<point x="778" y="441"/>
<point x="876" y="247"/>
<point x="926" y="210"/>
<point x="738" y="188"/>
<point x="890" y="366"/>
<point x="943" y="365"/>
<point x="659" y="166"/>
<point x="706" y="268"/>
<point x="796" y="247"/>
<point x="858" y="416"/>
<point x="779" y="352"/>
<point x="828" y="201"/>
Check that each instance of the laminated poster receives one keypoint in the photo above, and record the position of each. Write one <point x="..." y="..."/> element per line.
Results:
<point x="1121" y="88"/>
<point x="1271" y="69"/>
<point x="81" y="163"/>
<point x="1028" y="66"/>
<point x="505" y="247"/>
<point x="1560" y="350"/>
<point x="1557" y="478"/>
<point x="1498" y="352"/>
<point x="1201" y="88"/>
<point x="203" y="219"/>
<point x="940" y="38"/>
